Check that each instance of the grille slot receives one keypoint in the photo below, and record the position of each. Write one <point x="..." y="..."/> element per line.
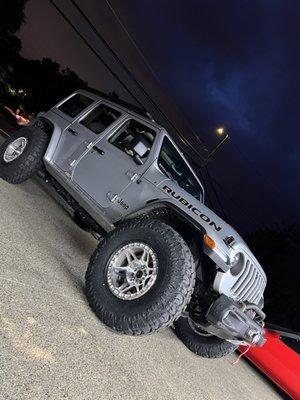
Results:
<point x="250" y="284"/>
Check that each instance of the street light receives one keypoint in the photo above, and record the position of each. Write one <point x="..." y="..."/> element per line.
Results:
<point x="221" y="132"/>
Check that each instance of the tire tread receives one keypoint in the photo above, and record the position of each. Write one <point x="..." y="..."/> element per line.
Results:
<point x="26" y="165"/>
<point x="145" y="322"/>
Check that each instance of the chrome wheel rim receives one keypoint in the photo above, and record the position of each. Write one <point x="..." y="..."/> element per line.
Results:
<point x="132" y="271"/>
<point x="15" y="149"/>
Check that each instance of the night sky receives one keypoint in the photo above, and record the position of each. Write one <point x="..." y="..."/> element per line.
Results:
<point x="232" y="63"/>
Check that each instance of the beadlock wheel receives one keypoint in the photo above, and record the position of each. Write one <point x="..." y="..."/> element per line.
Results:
<point x="141" y="277"/>
<point x="15" y="149"/>
<point x="132" y="271"/>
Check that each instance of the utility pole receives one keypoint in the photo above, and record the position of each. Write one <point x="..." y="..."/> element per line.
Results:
<point x="225" y="136"/>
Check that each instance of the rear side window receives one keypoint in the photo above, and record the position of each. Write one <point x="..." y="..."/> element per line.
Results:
<point x="75" y="105"/>
<point x="100" y="118"/>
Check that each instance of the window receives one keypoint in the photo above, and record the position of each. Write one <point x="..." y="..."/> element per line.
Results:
<point x="100" y="118"/>
<point x="175" y="168"/>
<point x="75" y="105"/>
<point x="126" y="138"/>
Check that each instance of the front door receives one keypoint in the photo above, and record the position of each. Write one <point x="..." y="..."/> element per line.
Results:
<point x="108" y="168"/>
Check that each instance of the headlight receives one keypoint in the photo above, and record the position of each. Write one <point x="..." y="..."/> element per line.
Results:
<point x="236" y="264"/>
<point x="235" y="259"/>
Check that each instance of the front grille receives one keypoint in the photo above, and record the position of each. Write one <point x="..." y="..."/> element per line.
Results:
<point x="246" y="285"/>
<point x="249" y="285"/>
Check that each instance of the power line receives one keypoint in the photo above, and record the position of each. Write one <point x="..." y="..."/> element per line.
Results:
<point x="95" y="53"/>
<point x="150" y="67"/>
<point x="158" y="80"/>
<point x="183" y="139"/>
<point x="216" y="194"/>
<point x="98" y="34"/>
<point x="207" y="195"/>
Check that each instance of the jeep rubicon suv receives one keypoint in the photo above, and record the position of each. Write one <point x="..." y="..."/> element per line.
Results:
<point x="163" y="256"/>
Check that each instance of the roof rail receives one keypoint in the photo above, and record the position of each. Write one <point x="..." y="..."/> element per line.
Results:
<point x="114" y="97"/>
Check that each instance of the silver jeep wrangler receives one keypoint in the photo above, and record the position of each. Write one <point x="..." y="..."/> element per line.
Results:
<point x="163" y="257"/>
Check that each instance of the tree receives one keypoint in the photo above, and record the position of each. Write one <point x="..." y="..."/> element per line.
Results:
<point x="11" y="17"/>
<point x="44" y="82"/>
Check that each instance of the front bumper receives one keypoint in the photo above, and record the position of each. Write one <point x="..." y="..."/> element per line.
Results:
<point x="236" y="322"/>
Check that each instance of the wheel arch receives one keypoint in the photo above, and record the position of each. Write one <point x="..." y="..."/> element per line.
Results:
<point x="44" y="124"/>
<point x="185" y="226"/>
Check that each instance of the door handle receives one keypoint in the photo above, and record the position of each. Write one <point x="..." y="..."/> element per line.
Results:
<point x="132" y="175"/>
<point x="74" y="133"/>
<point x="99" y="151"/>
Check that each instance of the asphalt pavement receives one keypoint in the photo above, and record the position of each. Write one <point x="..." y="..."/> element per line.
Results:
<point x="51" y="344"/>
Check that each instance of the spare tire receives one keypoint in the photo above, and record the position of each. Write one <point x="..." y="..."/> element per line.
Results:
<point x="21" y="155"/>
<point x="140" y="277"/>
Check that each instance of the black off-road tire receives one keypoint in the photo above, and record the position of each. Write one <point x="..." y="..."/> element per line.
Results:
<point x="202" y="345"/>
<point x="164" y="301"/>
<point x="30" y="161"/>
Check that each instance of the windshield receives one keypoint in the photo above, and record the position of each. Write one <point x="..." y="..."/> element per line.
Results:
<point x="175" y="168"/>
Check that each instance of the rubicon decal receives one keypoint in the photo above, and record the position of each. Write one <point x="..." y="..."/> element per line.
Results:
<point x="191" y="207"/>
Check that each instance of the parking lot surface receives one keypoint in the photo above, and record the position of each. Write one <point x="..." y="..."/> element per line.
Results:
<point x="53" y="347"/>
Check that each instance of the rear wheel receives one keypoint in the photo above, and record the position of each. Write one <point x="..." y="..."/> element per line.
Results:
<point x="200" y="342"/>
<point x="21" y="155"/>
<point x="140" y="278"/>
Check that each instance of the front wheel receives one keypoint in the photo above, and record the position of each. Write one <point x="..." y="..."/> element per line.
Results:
<point x="200" y="342"/>
<point x="21" y="155"/>
<point x="140" y="277"/>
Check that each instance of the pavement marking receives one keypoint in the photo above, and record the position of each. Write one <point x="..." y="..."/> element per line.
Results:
<point x="41" y="288"/>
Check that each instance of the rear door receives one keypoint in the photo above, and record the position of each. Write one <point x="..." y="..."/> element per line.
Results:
<point x="108" y="167"/>
<point x="82" y="133"/>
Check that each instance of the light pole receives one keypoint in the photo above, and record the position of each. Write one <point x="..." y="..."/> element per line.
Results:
<point x="224" y="135"/>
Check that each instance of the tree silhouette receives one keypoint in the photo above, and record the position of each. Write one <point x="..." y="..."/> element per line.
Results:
<point x="11" y="17"/>
<point x="43" y="81"/>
